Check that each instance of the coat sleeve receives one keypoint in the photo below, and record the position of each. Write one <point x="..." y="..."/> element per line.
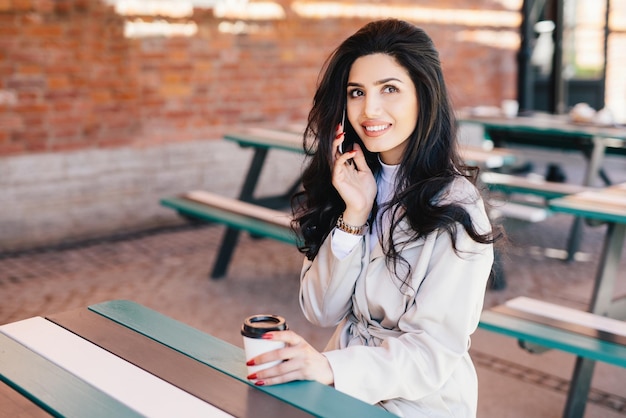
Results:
<point x="435" y="329"/>
<point x="327" y="284"/>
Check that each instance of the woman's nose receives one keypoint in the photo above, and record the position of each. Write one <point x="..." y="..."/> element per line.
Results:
<point x="372" y="106"/>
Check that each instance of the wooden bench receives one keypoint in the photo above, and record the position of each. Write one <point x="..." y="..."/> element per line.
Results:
<point x="237" y="215"/>
<point x="526" y="198"/>
<point x="255" y="219"/>
<point x="557" y="327"/>
<point x="507" y="183"/>
<point x="537" y="324"/>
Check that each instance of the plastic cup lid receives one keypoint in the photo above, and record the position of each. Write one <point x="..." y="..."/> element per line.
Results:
<point x="256" y="325"/>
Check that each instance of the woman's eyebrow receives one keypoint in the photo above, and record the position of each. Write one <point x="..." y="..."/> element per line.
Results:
<point x="387" y="80"/>
<point x="377" y="83"/>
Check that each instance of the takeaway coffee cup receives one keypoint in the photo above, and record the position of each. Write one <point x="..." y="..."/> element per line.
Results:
<point x="253" y="329"/>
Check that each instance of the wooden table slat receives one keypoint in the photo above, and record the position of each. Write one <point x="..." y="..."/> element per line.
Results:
<point x="53" y="388"/>
<point x="316" y="398"/>
<point x="218" y="389"/>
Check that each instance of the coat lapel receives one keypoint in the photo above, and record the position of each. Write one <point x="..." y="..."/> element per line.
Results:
<point x="402" y="234"/>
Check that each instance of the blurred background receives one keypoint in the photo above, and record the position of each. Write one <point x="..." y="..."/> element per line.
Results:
<point x="107" y="106"/>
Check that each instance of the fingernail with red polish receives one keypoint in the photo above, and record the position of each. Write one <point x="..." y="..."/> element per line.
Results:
<point x="250" y="362"/>
<point x="339" y="135"/>
<point x="252" y="376"/>
<point x="267" y="336"/>
<point x="259" y="383"/>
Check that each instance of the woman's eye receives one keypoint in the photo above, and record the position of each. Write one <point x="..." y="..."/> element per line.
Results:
<point x="355" y="93"/>
<point x="390" y="89"/>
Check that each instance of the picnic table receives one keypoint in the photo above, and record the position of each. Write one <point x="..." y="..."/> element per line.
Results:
<point x="541" y="130"/>
<point x="547" y="131"/>
<point x="598" y="334"/>
<point x="607" y="205"/>
<point x="121" y="359"/>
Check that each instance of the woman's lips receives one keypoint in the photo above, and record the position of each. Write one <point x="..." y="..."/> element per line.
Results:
<point x="376" y="129"/>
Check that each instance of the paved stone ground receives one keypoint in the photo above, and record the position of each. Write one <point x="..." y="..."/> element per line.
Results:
<point x="167" y="270"/>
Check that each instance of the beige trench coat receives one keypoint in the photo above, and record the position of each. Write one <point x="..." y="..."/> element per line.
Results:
<point x="405" y="349"/>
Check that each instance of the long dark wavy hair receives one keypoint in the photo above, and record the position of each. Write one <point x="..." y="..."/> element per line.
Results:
<point x="431" y="160"/>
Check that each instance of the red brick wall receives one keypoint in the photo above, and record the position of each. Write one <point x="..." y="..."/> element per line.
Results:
<point x="69" y="79"/>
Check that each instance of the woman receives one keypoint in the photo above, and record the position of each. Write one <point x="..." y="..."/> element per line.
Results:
<point x="398" y="245"/>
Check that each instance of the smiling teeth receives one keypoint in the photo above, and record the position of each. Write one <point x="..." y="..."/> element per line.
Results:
<point x="375" y="128"/>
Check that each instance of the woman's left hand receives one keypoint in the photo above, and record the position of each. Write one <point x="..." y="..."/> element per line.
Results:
<point x="300" y="361"/>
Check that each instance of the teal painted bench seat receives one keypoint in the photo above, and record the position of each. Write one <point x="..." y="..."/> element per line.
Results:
<point x="255" y="219"/>
<point x="524" y="198"/>
<point x="508" y="183"/>
<point x="557" y="327"/>
<point x="237" y="215"/>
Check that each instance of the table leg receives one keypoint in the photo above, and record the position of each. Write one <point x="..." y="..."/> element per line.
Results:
<point x="573" y="241"/>
<point x="601" y="301"/>
<point x="579" y="388"/>
<point x="231" y="236"/>
<point x="594" y="165"/>
<point x="595" y="161"/>
<point x="227" y="247"/>
<point x="607" y="269"/>
<point x="280" y="201"/>
<point x="252" y="177"/>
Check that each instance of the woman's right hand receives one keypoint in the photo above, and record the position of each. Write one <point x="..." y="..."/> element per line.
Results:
<point x="354" y="182"/>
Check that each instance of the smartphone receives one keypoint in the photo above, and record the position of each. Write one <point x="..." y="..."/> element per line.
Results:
<point x="347" y="144"/>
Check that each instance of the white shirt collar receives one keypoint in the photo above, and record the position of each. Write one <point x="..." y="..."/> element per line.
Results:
<point x="388" y="172"/>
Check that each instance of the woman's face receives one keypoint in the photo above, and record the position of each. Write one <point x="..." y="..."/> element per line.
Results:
<point x="382" y="105"/>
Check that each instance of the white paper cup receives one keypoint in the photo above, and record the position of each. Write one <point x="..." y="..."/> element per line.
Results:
<point x="253" y="329"/>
